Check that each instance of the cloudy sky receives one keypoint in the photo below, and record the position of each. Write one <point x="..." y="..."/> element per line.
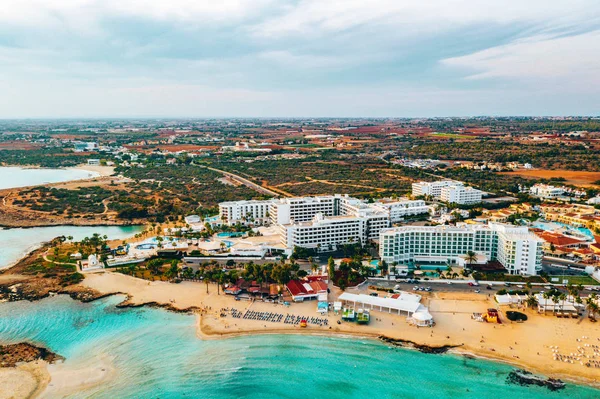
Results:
<point x="220" y="58"/>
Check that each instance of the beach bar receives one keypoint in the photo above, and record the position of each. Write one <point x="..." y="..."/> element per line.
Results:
<point x="389" y="305"/>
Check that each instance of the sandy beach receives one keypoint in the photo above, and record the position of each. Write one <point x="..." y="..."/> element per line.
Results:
<point x="101" y="171"/>
<point x="27" y="380"/>
<point x="42" y="380"/>
<point x="527" y="345"/>
<point x="69" y="378"/>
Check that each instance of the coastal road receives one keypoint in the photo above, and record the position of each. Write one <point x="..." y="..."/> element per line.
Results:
<point x="246" y="182"/>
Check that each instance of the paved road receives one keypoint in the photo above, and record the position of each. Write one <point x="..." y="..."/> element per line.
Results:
<point x="464" y="287"/>
<point x="246" y="182"/>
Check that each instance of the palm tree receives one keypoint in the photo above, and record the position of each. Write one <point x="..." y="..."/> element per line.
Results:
<point x="591" y="306"/>
<point x="131" y="268"/>
<point x="562" y="297"/>
<point x="314" y="267"/>
<point x="470" y="257"/>
<point x="531" y="301"/>
<point x="555" y="300"/>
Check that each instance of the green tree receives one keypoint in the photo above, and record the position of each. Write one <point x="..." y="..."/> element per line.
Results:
<point x="331" y="267"/>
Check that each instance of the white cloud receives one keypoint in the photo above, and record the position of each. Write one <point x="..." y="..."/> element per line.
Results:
<point x="84" y="14"/>
<point x="321" y="17"/>
<point x="575" y="59"/>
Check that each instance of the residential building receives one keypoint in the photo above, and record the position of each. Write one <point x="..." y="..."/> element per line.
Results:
<point x="519" y="251"/>
<point x="546" y="191"/>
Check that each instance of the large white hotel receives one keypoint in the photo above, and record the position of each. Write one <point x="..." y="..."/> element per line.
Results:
<point x="448" y="191"/>
<point x="322" y="221"/>
<point x="518" y="250"/>
<point x="325" y="222"/>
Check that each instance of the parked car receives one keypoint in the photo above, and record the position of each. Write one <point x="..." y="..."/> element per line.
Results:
<point x="507" y="284"/>
<point x="374" y="294"/>
<point x="489" y="287"/>
<point x="477" y="291"/>
<point x="415" y="288"/>
<point x="428" y="289"/>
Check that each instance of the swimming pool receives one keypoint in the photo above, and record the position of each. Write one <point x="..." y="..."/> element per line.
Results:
<point x="230" y="234"/>
<point x="552" y="226"/>
<point x="146" y="246"/>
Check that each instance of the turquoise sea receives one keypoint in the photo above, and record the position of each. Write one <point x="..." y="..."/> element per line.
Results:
<point x="15" y="243"/>
<point x="13" y="176"/>
<point x="157" y="355"/>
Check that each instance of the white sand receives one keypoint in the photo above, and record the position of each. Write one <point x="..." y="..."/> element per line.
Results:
<point x="24" y="381"/>
<point x="100" y="170"/>
<point x="69" y="378"/>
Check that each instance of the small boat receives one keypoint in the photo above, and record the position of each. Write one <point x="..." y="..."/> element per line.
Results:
<point x="303" y="323"/>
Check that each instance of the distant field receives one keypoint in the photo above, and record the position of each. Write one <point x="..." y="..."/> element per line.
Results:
<point x="451" y="135"/>
<point x="577" y="178"/>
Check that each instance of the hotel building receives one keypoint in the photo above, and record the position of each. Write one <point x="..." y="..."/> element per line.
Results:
<point x="449" y="191"/>
<point x="322" y="221"/>
<point x="400" y="209"/>
<point x="302" y="209"/>
<point x="519" y="251"/>
<point x="460" y="194"/>
<point x="233" y="212"/>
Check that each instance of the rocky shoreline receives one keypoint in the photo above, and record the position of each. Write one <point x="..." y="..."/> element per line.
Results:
<point x="403" y="343"/>
<point x="12" y="354"/>
<point x="525" y="378"/>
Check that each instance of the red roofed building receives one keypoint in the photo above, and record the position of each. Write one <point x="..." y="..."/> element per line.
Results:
<point x="322" y="277"/>
<point x="558" y="240"/>
<point x="306" y="290"/>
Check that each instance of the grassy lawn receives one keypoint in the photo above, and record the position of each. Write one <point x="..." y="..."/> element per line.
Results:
<point x="583" y="280"/>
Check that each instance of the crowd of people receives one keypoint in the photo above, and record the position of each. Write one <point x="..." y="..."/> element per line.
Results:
<point x="586" y="355"/>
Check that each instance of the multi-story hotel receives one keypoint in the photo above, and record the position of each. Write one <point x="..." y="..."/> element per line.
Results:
<point x="348" y="220"/>
<point x="448" y="191"/>
<point x="323" y="232"/>
<point x="459" y="194"/>
<point x="433" y="189"/>
<point x="398" y="210"/>
<point x="243" y="212"/>
<point x="302" y="209"/>
<point x="320" y="222"/>
<point x="519" y="251"/>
